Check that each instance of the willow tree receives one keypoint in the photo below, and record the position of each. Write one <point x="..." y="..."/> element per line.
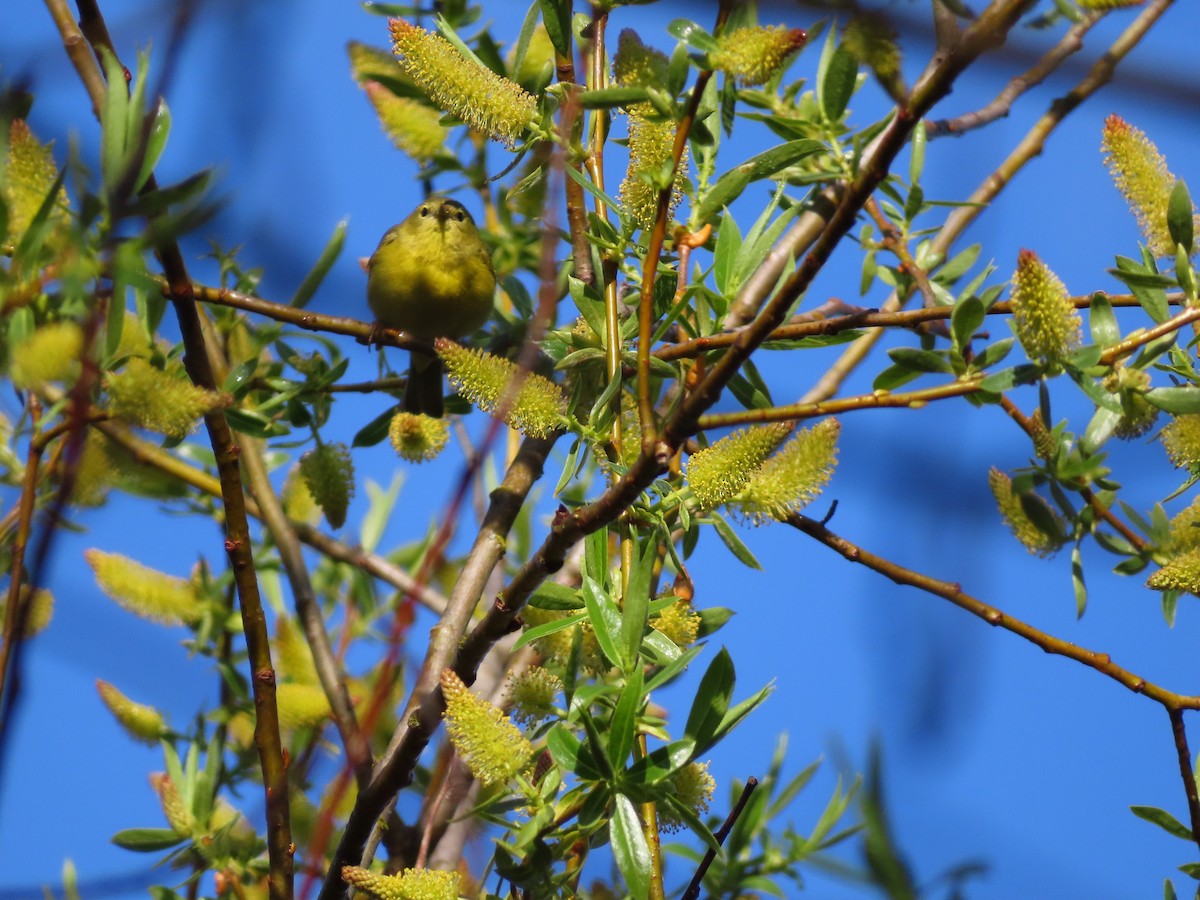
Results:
<point x="630" y="301"/>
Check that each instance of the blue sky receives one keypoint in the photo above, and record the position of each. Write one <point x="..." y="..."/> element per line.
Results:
<point x="993" y="750"/>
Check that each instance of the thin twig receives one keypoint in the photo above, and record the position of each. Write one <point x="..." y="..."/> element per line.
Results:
<point x="693" y="888"/>
<point x="1070" y="43"/>
<point x="1101" y="662"/>
<point x="1179" y="733"/>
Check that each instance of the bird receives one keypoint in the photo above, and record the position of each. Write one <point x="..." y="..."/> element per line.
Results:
<point x="431" y="276"/>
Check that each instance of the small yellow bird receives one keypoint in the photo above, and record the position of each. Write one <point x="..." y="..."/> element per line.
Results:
<point x="431" y="276"/>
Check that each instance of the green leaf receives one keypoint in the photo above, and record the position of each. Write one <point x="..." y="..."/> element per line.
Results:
<point x="711" y="702"/>
<point x="919" y="360"/>
<point x="729" y="241"/>
<point x="556" y="16"/>
<point x="1077" y="582"/>
<point x="606" y="621"/>
<point x="551" y="595"/>
<point x="247" y="421"/>
<point x="546" y="629"/>
<point x="623" y="727"/>
<point x="1102" y="321"/>
<point x="570" y="754"/>
<point x="729" y="537"/>
<point x="147" y="840"/>
<point x="1176" y="400"/>
<point x="1181" y="215"/>
<point x="156" y="142"/>
<point x="635" y="603"/>
<point x="114" y="109"/>
<point x="836" y="83"/>
<point x="916" y="162"/>
<point x="606" y="98"/>
<point x="630" y="850"/>
<point x="693" y="35"/>
<point x="1163" y="820"/>
<point x="731" y="184"/>
<point x="329" y="255"/>
<point x="376" y="430"/>
<point x="966" y="317"/>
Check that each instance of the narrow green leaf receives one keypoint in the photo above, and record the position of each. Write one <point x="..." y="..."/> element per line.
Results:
<point x="711" y="702"/>
<point x="1163" y="820"/>
<point x="731" y="184"/>
<point x="374" y="431"/>
<point x="156" y="142"/>
<point x="635" y="604"/>
<point x="329" y="254"/>
<point x="916" y="162"/>
<point x="729" y="241"/>
<point x="556" y="16"/>
<point x="606" y="621"/>
<point x="1181" y="217"/>
<point x="147" y="840"/>
<point x="623" y="726"/>
<point x="692" y="35"/>
<point x="570" y="755"/>
<point x="1176" y="400"/>
<point x="837" y="87"/>
<point x="1102" y="321"/>
<point x="606" y="98"/>
<point x="113" y="111"/>
<point x="630" y="850"/>
<point x="1077" y="582"/>
<point x="551" y="595"/>
<point x="729" y="537"/>
<point x="919" y="360"/>
<point x="545" y="629"/>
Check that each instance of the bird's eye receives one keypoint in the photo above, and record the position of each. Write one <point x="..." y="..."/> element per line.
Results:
<point x="462" y="217"/>
<point x="424" y="211"/>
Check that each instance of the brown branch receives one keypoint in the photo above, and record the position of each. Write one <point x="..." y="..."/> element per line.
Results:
<point x="237" y="533"/>
<point x="874" y="400"/>
<point x="1029" y="147"/>
<point x="329" y="670"/>
<point x="1070" y="43"/>
<point x="654" y="249"/>
<point x="1179" y="733"/>
<point x="819" y="323"/>
<point x="422" y="715"/>
<point x="1101" y="662"/>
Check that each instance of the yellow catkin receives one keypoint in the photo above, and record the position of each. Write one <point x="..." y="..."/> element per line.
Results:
<point x="753" y="55"/>
<point x="414" y="128"/>
<point x="793" y="477"/>
<point x="160" y="401"/>
<point x="407" y="884"/>
<point x="141" y="722"/>
<point x="693" y="787"/>
<point x="29" y="175"/>
<point x="538" y="405"/>
<point x="50" y="354"/>
<point x="144" y="592"/>
<point x="1181" y="439"/>
<point x="490" y="745"/>
<point x="1179" y="574"/>
<point x="329" y="474"/>
<point x="678" y="622"/>
<point x="1044" y="318"/>
<point x="1141" y="175"/>
<point x="718" y="473"/>
<point x="489" y="103"/>
<point x="418" y="438"/>
<point x="533" y="692"/>
<point x="301" y="705"/>
<point x="1013" y="512"/>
